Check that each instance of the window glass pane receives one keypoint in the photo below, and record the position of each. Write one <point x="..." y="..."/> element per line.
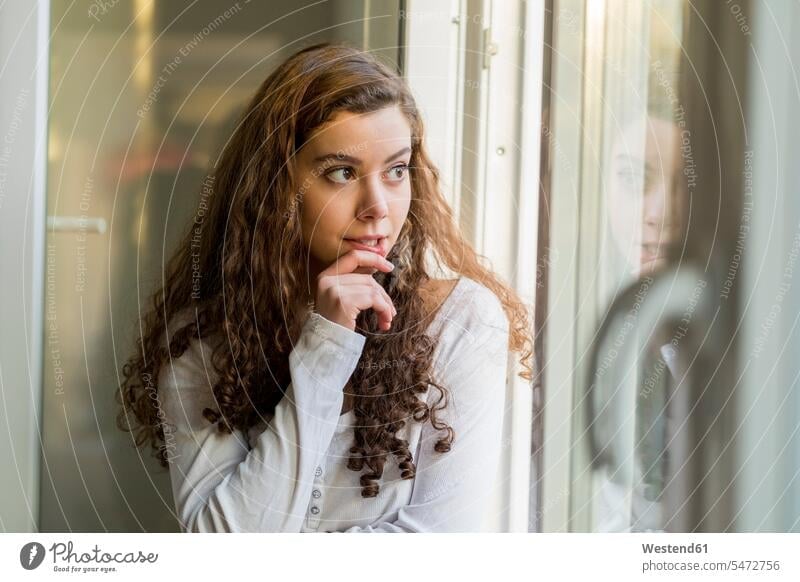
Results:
<point x="631" y="214"/>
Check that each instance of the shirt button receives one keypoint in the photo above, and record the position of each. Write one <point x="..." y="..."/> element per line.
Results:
<point x="315" y="510"/>
<point x="316" y="493"/>
<point x="318" y="472"/>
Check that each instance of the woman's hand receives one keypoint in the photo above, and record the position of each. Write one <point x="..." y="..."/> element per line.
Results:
<point x="342" y="293"/>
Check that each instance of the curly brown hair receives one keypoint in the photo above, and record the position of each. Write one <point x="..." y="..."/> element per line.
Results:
<point x="250" y="256"/>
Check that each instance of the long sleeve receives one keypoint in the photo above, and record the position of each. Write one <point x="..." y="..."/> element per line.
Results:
<point x="451" y="490"/>
<point x="218" y="483"/>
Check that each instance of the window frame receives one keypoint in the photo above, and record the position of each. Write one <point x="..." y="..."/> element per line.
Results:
<point x="493" y="65"/>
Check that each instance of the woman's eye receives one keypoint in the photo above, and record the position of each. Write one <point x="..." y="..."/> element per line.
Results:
<point x="340" y="175"/>
<point x="397" y="173"/>
<point x="630" y="178"/>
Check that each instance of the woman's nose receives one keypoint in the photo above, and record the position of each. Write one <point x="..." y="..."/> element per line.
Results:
<point x="661" y="214"/>
<point x="374" y="202"/>
<point x="658" y="205"/>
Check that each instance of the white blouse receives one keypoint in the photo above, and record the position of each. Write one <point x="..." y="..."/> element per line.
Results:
<point x="289" y="474"/>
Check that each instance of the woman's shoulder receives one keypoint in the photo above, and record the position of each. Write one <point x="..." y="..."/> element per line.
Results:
<point x="474" y="335"/>
<point x="470" y="322"/>
<point x="186" y="380"/>
<point x="472" y="304"/>
<point x="192" y="367"/>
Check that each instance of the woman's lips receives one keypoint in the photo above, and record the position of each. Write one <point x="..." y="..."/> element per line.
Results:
<point x="655" y="249"/>
<point x="651" y="253"/>
<point x="379" y="248"/>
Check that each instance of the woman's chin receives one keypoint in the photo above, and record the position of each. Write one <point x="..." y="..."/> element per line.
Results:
<point x="650" y="266"/>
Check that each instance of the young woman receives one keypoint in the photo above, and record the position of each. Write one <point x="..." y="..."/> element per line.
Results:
<point x="301" y="369"/>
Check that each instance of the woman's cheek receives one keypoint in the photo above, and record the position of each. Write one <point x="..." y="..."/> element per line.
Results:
<point x="311" y="216"/>
<point x="401" y="208"/>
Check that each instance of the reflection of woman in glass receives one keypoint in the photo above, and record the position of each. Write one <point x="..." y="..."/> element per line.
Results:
<point x="644" y="215"/>
<point x="643" y="208"/>
<point x="309" y="340"/>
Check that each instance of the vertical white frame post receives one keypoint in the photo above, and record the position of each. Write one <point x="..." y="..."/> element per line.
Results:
<point x="486" y="82"/>
<point x="24" y="73"/>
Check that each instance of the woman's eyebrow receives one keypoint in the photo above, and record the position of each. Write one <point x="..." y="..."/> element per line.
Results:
<point x="338" y="158"/>
<point x="355" y="161"/>
<point x="397" y="154"/>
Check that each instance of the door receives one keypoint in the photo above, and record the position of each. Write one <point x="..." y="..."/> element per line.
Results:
<point x="670" y="315"/>
<point x="142" y="96"/>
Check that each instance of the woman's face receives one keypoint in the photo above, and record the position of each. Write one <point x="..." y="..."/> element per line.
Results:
<point x="644" y="212"/>
<point x="354" y="185"/>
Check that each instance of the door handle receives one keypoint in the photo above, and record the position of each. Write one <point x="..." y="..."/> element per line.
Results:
<point x="607" y="414"/>
<point x="90" y="225"/>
